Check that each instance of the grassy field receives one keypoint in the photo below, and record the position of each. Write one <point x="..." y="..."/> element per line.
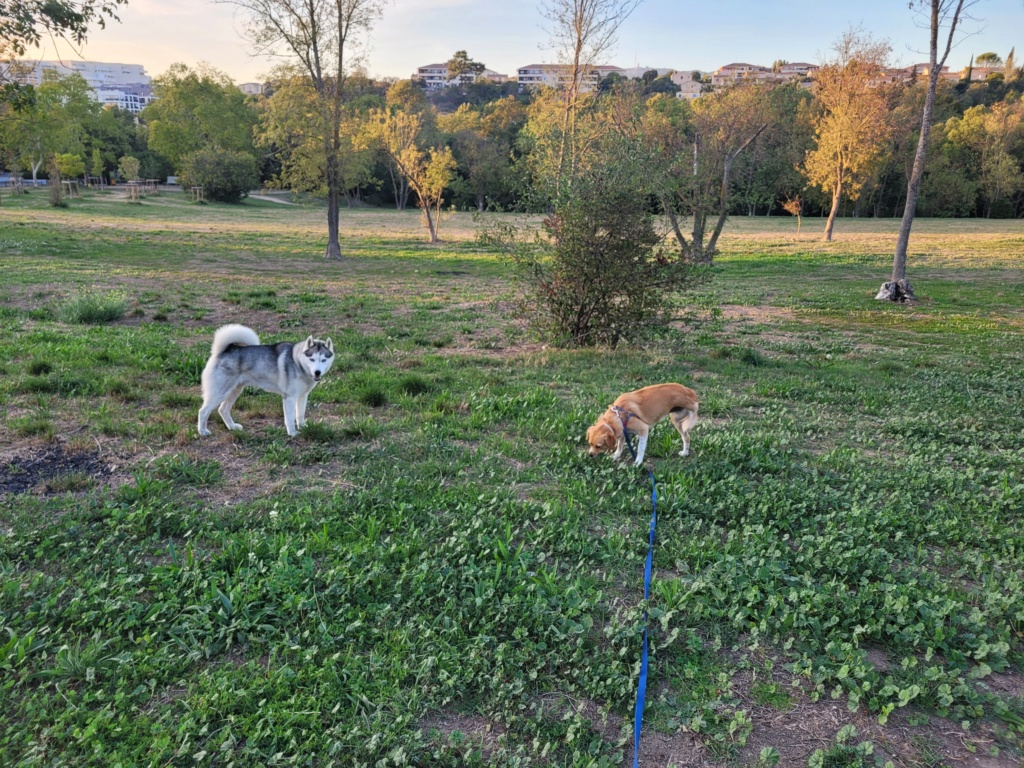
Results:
<point x="433" y="573"/>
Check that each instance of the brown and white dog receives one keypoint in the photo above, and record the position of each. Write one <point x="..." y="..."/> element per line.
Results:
<point x="641" y="410"/>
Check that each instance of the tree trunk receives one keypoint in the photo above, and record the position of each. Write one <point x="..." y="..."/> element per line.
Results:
<point x="674" y="221"/>
<point x="837" y="194"/>
<point x="723" y="209"/>
<point x="899" y="262"/>
<point x="898" y="288"/>
<point x="481" y="203"/>
<point x="431" y="223"/>
<point x="333" y="207"/>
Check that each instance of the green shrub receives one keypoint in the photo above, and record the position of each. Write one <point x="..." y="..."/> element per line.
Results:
<point x="602" y="275"/>
<point x="93" y="308"/>
<point x="224" y="175"/>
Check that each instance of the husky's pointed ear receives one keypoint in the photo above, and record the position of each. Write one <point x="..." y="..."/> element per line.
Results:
<point x="330" y="344"/>
<point x="309" y="342"/>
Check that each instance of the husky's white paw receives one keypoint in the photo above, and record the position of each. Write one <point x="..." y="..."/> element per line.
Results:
<point x="236" y="427"/>
<point x="684" y="453"/>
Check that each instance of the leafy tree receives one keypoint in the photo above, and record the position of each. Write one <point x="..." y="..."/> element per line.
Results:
<point x="70" y="164"/>
<point x="852" y="126"/>
<point x="460" y="64"/>
<point x="292" y="129"/>
<point x="767" y="171"/>
<point x="409" y="121"/>
<point x="129" y="168"/>
<point x="323" y="37"/>
<point x="986" y="136"/>
<point x="225" y="176"/>
<point x="198" y="109"/>
<point x="113" y="134"/>
<point x="940" y="13"/>
<point x="662" y="84"/>
<point x="426" y="171"/>
<point x="484" y="158"/>
<point x="96" y="164"/>
<point x="54" y="123"/>
<point x="988" y="59"/>
<point x="24" y="23"/>
<point x="947" y="189"/>
<point x="477" y="94"/>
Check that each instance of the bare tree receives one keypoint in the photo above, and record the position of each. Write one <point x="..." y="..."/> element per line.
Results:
<point x="323" y="35"/>
<point x="582" y="31"/>
<point x="946" y="14"/>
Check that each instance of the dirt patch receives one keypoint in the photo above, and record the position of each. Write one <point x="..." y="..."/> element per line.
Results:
<point x="910" y="738"/>
<point x="470" y="731"/>
<point x="44" y="469"/>
<point x="758" y="314"/>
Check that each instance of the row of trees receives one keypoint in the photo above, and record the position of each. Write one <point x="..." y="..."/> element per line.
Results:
<point x="394" y="145"/>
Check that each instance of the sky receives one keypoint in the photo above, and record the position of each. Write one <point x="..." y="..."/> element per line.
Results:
<point x="508" y="34"/>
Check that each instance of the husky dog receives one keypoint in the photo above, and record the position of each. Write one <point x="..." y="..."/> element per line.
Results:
<point x="238" y="360"/>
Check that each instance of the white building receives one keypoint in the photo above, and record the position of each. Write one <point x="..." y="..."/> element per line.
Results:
<point x="689" y="84"/>
<point x="436" y="76"/>
<point x="554" y="75"/>
<point x="126" y="86"/>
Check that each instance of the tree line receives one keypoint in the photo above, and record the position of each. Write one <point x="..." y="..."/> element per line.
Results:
<point x="482" y="146"/>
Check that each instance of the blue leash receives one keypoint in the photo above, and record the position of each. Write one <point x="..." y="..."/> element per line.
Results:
<point x="641" y="690"/>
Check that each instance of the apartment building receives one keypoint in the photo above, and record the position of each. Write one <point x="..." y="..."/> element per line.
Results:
<point x="436" y="76"/>
<point x="536" y="75"/>
<point x="126" y="86"/>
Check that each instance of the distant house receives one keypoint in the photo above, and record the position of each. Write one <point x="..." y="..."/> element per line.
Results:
<point x="979" y="74"/>
<point x="794" y="70"/>
<point x="731" y="74"/>
<point x="689" y="88"/>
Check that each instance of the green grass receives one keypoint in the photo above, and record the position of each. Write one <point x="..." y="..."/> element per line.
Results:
<point x="91" y="309"/>
<point x="433" y="573"/>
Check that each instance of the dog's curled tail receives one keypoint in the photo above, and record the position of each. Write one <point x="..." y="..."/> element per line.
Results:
<point x="227" y="335"/>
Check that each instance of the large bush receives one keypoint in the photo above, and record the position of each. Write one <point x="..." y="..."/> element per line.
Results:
<point x="224" y="175"/>
<point x="604" y="274"/>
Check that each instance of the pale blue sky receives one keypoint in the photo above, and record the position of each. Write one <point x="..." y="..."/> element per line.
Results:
<point x="507" y="34"/>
